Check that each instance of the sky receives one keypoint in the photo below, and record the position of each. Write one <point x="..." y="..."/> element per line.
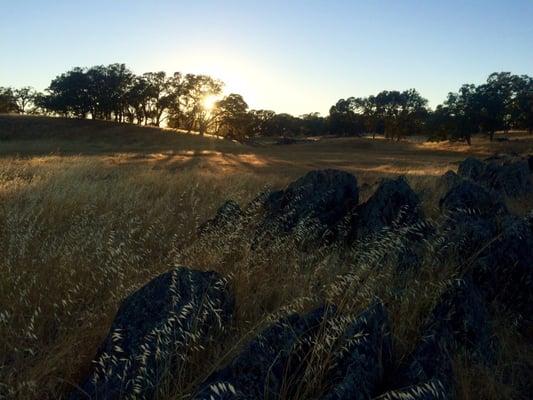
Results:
<point x="288" y="56"/>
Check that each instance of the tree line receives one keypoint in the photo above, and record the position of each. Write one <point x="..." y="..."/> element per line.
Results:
<point x="114" y="92"/>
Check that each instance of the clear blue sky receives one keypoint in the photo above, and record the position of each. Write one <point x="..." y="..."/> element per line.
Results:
<point x="291" y="56"/>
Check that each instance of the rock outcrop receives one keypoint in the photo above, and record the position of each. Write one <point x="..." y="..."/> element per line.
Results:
<point x="364" y="356"/>
<point x="490" y="250"/>
<point x="269" y="361"/>
<point x="510" y="176"/>
<point x="153" y="328"/>
<point x="394" y="202"/>
<point x="313" y="204"/>
<point x="459" y="320"/>
<point x="469" y="197"/>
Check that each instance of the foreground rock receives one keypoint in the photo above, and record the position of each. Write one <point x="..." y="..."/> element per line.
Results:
<point x="459" y="320"/>
<point x="153" y="330"/>
<point x="365" y="355"/>
<point x="504" y="270"/>
<point x="433" y="389"/>
<point x="273" y="358"/>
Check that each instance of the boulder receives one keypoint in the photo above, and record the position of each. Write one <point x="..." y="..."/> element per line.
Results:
<point x="508" y="175"/>
<point x="227" y="216"/>
<point x="469" y="197"/>
<point x="364" y="355"/>
<point x="449" y="180"/>
<point x="459" y="320"/>
<point x="471" y="168"/>
<point x="512" y="178"/>
<point x="464" y="234"/>
<point x="504" y="270"/>
<point x="152" y="331"/>
<point x="429" y="390"/>
<point x="316" y="201"/>
<point x="393" y="203"/>
<point x="275" y="356"/>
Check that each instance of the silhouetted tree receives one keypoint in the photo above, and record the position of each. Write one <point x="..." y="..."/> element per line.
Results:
<point x="8" y="102"/>
<point x="260" y="123"/>
<point x="232" y="116"/>
<point x="24" y="97"/>
<point x="188" y="110"/>
<point x="343" y="119"/>
<point x="521" y="110"/>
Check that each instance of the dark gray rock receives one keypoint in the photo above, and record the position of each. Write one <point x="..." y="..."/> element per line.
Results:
<point x="464" y="234"/>
<point x="449" y="180"/>
<point x="316" y="201"/>
<point x="433" y="389"/>
<point x="227" y="216"/>
<point x="505" y="269"/>
<point x="393" y="203"/>
<point x="274" y="357"/>
<point x="529" y="220"/>
<point x="471" y="168"/>
<point x="365" y="354"/>
<point x="509" y="175"/>
<point x="153" y="329"/>
<point x="459" y="320"/>
<point x="469" y="197"/>
<point x="511" y="178"/>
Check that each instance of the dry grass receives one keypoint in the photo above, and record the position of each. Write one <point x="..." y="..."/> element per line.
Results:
<point x="86" y="225"/>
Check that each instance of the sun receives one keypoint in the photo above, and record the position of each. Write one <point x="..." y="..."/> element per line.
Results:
<point x="209" y="102"/>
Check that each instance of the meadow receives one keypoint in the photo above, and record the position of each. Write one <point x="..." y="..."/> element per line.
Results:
<point x="90" y="211"/>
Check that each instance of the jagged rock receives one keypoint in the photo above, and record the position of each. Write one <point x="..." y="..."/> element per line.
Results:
<point x="153" y="328"/>
<point x="273" y="357"/>
<point x="529" y="220"/>
<point x="317" y="200"/>
<point x="364" y="356"/>
<point x="459" y="320"/>
<point x="505" y="269"/>
<point x="227" y="215"/>
<point x="511" y="178"/>
<point x="449" y="180"/>
<point x="468" y="196"/>
<point x="506" y="174"/>
<point x="394" y="202"/>
<point x="471" y="168"/>
<point x="464" y="234"/>
<point x="433" y="389"/>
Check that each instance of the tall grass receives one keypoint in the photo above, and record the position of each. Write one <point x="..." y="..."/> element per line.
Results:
<point x="78" y="234"/>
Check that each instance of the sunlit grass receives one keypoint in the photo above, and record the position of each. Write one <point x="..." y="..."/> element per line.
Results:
<point x="78" y="233"/>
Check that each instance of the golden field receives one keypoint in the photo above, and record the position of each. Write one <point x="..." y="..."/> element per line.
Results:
<point x="90" y="211"/>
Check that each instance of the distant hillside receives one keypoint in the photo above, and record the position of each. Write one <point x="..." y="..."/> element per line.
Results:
<point x="67" y="132"/>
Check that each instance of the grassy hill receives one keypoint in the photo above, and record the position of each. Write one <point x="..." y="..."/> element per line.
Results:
<point x="91" y="210"/>
<point x="40" y="135"/>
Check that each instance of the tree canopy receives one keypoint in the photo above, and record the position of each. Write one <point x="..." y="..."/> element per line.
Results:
<point x="114" y="92"/>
